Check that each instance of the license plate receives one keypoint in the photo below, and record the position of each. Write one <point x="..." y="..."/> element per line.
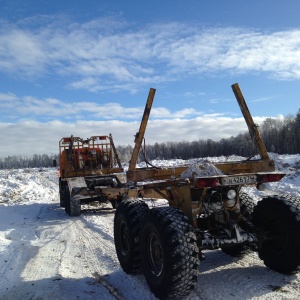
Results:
<point x="241" y="179"/>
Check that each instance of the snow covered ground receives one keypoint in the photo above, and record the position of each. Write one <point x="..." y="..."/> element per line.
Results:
<point x="45" y="254"/>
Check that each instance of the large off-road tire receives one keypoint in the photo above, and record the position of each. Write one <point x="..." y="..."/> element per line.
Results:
<point x="72" y="205"/>
<point x="63" y="190"/>
<point x="278" y="221"/>
<point x="67" y="201"/>
<point x="115" y="202"/>
<point x="75" y="207"/>
<point x="169" y="253"/>
<point x="247" y="207"/>
<point x="127" y="222"/>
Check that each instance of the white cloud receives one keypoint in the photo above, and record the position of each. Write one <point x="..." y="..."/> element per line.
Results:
<point x="29" y="137"/>
<point x="21" y="51"/>
<point x="49" y="108"/>
<point x="241" y="50"/>
<point x="123" y="57"/>
<point x="264" y="99"/>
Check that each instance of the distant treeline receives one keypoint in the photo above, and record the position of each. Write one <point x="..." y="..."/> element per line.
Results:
<point x="279" y="135"/>
<point x="18" y="161"/>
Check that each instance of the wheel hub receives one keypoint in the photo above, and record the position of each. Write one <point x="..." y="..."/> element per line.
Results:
<point x="155" y="254"/>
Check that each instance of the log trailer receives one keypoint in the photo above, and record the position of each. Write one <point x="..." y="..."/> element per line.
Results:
<point x="206" y="210"/>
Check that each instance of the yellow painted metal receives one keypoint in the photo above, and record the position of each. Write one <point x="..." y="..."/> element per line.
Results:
<point x="248" y="166"/>
<point x="172" y="188"/>
<point x="70" y="172"/>
<point x="164" y="182"/>
<point x="253" y="128"/>
<point x="180" y="197"/>
<point x="115" y="151"/>
<point x="140" y="134"/>
<point x="229" y="168"/>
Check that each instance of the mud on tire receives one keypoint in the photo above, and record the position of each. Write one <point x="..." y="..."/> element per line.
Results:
<point x="75" y="207"/>
<point x="169" y="253"/>
<point x="72" y="205"/>
<point x="128" y="217"/>
<point x="63" y="189"/>
<point x="67" y="201"/>
<point x="247" y="205"/>
<point x="278" y="218"/>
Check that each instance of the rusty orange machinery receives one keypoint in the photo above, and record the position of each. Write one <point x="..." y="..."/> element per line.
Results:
<point x="92" y="156"/>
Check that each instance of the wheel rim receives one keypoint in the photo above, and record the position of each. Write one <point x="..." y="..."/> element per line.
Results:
<point x="155" y="254"/>
<point x="124" y="239"/>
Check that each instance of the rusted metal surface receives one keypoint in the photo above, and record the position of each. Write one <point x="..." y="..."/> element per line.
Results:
<point x="115" y="151"/>
<point x="229" y="168"/>
<point x="253" y="128"/>
<point x="153" y="182"/>
<point x="96" y="155"/>
<point x="140" y="134"/>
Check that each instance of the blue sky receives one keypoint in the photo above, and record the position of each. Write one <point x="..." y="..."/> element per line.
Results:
<point x="85" y="68"/>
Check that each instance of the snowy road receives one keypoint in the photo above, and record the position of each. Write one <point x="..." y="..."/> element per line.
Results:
<point x="44" y="254"/>
<point x="47" y="255"/>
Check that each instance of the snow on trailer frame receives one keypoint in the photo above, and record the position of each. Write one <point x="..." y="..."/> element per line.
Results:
<point x="207" y="210"/>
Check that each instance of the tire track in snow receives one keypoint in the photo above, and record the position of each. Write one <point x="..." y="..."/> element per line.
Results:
<point x="99" y="231"/>
<point x="90" y="245"/>
<point x="26" y="260"/>
<point x="225" y="277"/>
<point x="92" y="254"/>
<point x="39" y="261"/>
